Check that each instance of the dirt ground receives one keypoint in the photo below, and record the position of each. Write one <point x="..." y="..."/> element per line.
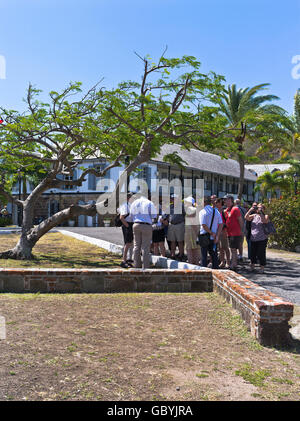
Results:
<point x="137" y="347"/>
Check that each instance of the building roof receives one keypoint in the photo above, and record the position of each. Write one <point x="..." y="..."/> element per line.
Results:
<point x="262" y="168"/>
<point x="205" y="161"/>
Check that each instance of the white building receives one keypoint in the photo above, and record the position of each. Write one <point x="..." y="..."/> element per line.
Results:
<point x="220" y="176"/>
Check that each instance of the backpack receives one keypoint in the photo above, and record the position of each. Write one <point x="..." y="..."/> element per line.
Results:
<point x="118" y="222"/>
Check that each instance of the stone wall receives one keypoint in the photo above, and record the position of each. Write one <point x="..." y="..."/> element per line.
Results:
<point x="104" y="280"/>
<point x="265" y="314"/>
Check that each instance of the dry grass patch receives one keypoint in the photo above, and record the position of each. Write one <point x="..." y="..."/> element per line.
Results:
<point x="136" y="347"/>
<point x="57" y="250"/>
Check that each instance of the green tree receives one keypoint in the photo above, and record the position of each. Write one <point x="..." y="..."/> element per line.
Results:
<point x="290" y="174"/>
<point x="250" y="118"/>
<point x="290" y="145"/>
<point x="127" y="125"/>
<point x="270" y="182"/>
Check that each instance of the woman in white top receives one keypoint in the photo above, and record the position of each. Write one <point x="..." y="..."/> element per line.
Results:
<point x="191" y="232"/>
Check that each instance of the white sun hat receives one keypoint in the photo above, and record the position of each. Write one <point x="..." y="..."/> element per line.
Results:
<point x="190" y="199"/>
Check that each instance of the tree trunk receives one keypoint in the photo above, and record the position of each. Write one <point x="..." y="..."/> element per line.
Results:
<point x="22" y="251"/>
<point x="30" y="235"/>
<point x="242" y="178"/>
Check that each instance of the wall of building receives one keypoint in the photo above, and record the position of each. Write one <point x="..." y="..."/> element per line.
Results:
<point x="58" y="199"/>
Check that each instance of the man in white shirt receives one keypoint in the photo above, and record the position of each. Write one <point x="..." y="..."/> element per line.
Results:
<point x="142" y="212"/>
<point x="211" y="224"/>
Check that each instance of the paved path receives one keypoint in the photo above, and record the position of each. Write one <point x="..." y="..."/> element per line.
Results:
<point x="112" y="234"/>
<point x="282" y="274"/>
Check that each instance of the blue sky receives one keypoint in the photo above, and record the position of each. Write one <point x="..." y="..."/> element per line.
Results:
<point x="52" y="42"/>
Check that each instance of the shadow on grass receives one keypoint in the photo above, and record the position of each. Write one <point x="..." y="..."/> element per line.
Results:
<point x="66" y="262"/>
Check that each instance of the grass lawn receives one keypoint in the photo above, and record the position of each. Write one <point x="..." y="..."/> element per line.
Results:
<point x="137" y="347"/>
<point x="60" y="251"/>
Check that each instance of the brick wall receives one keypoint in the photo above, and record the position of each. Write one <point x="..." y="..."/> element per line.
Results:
<point x="266" y="314"/>
<point x="104" y="280"/>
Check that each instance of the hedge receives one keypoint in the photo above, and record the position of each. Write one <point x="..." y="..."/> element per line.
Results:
<point x="285" y="215"/>
<point x="4" y="221"/>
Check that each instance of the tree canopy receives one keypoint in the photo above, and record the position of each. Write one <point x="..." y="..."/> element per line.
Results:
<point x="127" y="125"/>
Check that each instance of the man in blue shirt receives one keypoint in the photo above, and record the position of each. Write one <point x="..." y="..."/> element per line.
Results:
<point x="210" y="223"/>
<point x="142" y="211"/>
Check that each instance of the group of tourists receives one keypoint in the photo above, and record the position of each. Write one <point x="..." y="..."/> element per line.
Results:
<point x="213" y="236"/>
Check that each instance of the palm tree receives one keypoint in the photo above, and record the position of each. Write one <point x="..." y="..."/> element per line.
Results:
<point x="270" y="182"/>
<point x="249" y="117"/>
<point x="291" y="148"/>
<point x="290" y="174"/>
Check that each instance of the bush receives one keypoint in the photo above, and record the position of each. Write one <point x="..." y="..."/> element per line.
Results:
<point x="4" y="221"/>
<point x="285" y="215"/>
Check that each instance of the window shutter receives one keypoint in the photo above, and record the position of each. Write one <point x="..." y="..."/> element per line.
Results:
<point x="91" y="180"/>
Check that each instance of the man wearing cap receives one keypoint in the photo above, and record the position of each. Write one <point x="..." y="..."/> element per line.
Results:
<point x="176" y="226"/>
<point x="234" y="224"/>
<point x="142" y="212"/>
<point x="243" y="212"/>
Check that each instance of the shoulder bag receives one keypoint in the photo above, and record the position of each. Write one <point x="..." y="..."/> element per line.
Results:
<point x="204" y="239"/>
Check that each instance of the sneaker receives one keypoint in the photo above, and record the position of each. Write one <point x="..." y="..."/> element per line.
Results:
<point x="124" y="265"/>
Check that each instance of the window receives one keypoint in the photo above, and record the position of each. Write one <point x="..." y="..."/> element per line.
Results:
<point x="92" y="179"/>
<point x="221" y="181"/>
<point x="207" y="182"/>
<point x="68" y="177"/>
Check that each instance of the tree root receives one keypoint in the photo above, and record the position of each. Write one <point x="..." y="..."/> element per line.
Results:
<point x="15" y="254"/>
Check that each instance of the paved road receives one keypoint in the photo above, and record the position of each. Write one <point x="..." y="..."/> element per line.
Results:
<point x="282" y="274"/>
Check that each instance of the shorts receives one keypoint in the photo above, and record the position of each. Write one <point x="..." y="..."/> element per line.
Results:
<point x="234" y="241"/>
<point x="191" y="237"/>
<point x="127" y="233"/>
<point x="223" y="243"/>
<point x="176" y="232"/>
<point x="158" y="236"/>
